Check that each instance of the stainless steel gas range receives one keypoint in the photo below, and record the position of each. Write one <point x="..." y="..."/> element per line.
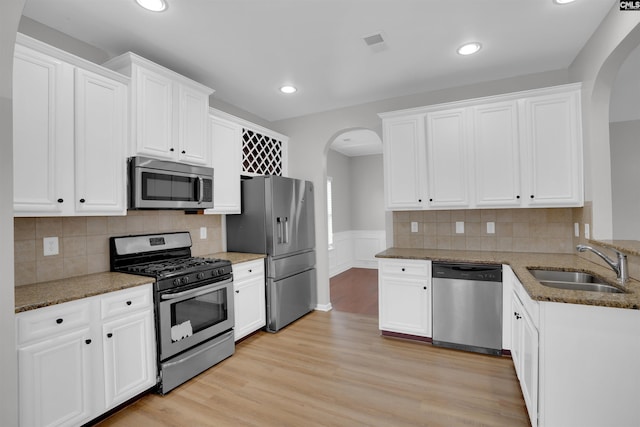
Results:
<point x="193" y="300"/>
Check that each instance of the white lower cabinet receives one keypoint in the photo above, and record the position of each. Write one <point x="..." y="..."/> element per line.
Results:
<point x="577" y="364"/>
<point x="249" y="297"/>
<point x="77" y="360"/>
<point x="404" y="296"/>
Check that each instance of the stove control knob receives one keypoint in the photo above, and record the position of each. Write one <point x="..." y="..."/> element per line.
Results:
<point x="185" y="280"/>
<point x="220" y="271"/>
<point x="176" y="282"/>
<point x="200" y="276"/>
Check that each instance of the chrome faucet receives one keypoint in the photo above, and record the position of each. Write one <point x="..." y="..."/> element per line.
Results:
<point x="620" y="267"/>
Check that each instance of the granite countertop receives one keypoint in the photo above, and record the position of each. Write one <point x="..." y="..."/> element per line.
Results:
<point x="236" y="257"/>
<point x="520" y="261"/>
<point x="44" y="294"/>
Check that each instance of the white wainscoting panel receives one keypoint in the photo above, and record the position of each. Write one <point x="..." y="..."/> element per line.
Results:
<point x="355" y="248"/>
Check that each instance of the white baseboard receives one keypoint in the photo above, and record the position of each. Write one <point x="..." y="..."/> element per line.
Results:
<point x="324" y="307"/>
<point x="355" y="248"/>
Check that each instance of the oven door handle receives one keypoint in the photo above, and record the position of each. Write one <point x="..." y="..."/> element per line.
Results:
<point x="196" y="292"/>
<point x="201" y="189"/>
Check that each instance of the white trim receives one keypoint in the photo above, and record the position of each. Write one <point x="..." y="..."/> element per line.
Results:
<point x="324" y="307"/>
<point x="355" y="248"/>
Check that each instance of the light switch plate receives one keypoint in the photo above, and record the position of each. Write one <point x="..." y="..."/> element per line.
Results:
<point x="203" y="232"/>
<point x="459" y="227"/>
<point x="491" y="227"/>
<point x="414" y="227"/>
<point x="576" y="229"/>
<point x="50" y="246"/>
<point x="587" y="232"/>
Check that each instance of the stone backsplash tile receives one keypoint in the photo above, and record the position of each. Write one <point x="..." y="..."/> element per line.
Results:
<point x="516" y="230"/>
<point x="84" y="241"/>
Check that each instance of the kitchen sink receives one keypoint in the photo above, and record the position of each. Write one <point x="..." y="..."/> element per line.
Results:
<point x="573" y="280"/>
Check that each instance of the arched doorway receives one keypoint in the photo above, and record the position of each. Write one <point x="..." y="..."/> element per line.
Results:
<point x="355" y="219"/>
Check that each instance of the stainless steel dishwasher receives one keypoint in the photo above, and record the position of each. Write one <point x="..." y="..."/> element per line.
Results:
<point x="467" y="306"/>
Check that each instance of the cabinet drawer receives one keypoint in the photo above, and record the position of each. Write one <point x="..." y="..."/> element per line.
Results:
<point x="406" y="268"/>
<point x="248" y="270"/>
<point x="126" y="301"/>
<point x="50" y="322"/>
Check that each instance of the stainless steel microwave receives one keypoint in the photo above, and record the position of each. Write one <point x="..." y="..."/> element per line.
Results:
<point x="160" y="184"/>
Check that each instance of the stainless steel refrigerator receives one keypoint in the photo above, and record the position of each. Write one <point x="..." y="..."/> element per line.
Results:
<point x="277" y="219"/>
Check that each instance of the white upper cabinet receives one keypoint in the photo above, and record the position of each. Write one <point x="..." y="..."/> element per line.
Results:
<point x="227" y="165"/>
<point x="521" y="149"/>
<point x="496" y="155"/>
<point x="447" y="158"/>
<point x="404" y="162"/>
<point x="70" y="121"/>
<point x="169" y="112"/>
<point x="552" y="145"/>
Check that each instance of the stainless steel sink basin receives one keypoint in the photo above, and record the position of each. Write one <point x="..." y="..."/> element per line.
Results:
<point x="573" y="280"/>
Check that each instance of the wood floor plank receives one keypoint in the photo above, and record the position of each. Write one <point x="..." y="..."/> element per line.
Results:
<point x="334" y="369"/>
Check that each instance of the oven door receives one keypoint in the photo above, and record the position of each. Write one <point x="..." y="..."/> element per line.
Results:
<point x="187" y="318"/>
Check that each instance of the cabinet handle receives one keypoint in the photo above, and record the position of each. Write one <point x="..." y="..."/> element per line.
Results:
<point x="402" y="268"/>
<point x="532" y="196"/>
<point x="517" y="197"/>
<point x="431" y="200"/>
<point x="58" y="321"/>
<point x="424" y="287"/>
<point x="171" y="149"/>
<point x="515" y="313"/>
<point x="109" y="335"/>
<point x="249" y="271"/>
<point x="419" y="200"/>
<point x="237" y="292"/>
<point x="184" y="152"/>
<point x="82" y="200"/>
<point x="128" y="302"/>
<point x="60" y="200"/>
<point x="87" y="341"/>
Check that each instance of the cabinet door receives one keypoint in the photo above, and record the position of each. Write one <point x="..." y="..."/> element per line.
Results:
<point x="516" y="334"/>
<point x="193" y="126"/>
<point x="405" y="305"/>
<point x="553" y="145"/>
<point x="447" y="160"/>
<point x="227" y="166"/>
<point x="42" y="134"/>
<point x="129" y="357"/>
<point x="524" y="352"/>
<point x="153" y="109"/>
<point x="100" y="136"/>
<point x="249" y="306"/>
<point x="496" y="155"/>
<point x="55" y="381"/>
<point x="404" y="163"/>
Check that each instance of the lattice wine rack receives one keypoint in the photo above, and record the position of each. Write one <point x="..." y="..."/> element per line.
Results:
<point x="261" y="155"/>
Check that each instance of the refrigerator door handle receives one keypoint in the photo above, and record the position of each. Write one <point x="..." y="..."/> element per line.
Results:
<point x="286" y="229"/>
<point x="279" y="222"/>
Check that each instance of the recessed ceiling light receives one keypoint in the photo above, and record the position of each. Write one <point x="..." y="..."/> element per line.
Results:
<point x="288" y="89"/>
<point x="153" y="5"/>
<point x="563" y="1"/>
<point x="469" y="48"/>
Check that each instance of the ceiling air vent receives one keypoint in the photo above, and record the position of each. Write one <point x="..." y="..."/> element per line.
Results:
<point x="375" y="41"/>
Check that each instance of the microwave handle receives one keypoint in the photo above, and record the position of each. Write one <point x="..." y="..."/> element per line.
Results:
<point x="201" y="189"/>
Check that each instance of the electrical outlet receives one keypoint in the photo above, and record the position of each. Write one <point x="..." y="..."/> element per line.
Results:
<point x="50" y="246"/>
<point x="203" y="232"/>
<point x="491" y="227"/>
<point x="459" y="227"/>
<point x="414" y="227"/>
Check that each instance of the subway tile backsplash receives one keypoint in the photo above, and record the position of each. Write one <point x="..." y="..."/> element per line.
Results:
<point x="84" y="241"/>
<point x="516" y="230"/>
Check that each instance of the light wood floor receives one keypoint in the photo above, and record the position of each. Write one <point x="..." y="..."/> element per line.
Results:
<point x="334" y="369"/>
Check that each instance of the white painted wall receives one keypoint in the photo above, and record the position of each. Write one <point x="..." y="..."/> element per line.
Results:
<point x="10" y="11"/>
<point x="338" y="169"/>
<point x="625" y="176"/>
<point x="597" y="66"/>
<point x="367" y="192"/>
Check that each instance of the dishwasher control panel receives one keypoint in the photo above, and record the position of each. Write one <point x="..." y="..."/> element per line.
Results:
<point x="467" y="271"/>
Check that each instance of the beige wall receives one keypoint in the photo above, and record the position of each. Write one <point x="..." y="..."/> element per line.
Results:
<point x="84" y="241"/>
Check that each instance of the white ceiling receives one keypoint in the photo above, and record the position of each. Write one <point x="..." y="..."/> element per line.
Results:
<point x="246" y="49"/>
